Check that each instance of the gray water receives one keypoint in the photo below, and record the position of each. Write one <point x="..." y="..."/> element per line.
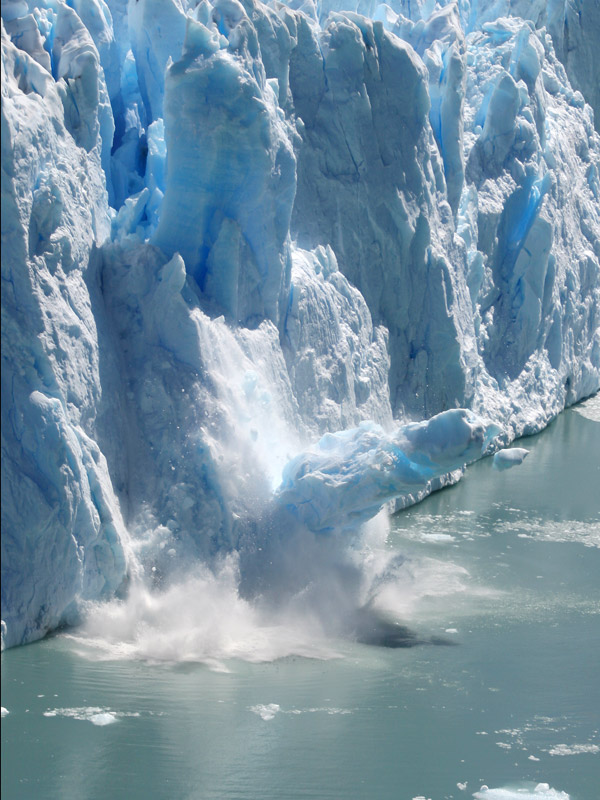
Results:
<point x="501" y="573"/>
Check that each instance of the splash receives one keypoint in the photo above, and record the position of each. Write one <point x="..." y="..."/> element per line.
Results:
<point x="309" y="596"/>
<point x="286" y="555"/>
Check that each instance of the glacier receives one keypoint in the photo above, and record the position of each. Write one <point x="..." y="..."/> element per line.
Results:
<point x="279" y="263"/>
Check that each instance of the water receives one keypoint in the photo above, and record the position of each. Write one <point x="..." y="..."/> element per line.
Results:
<point x="502" y="571"/>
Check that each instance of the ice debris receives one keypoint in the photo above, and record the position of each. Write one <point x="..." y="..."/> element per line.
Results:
<point x="96" y="715"/>
<point x="509" y="457"/>
<point x="266" y="712"/>
<point x="541" y="791"/>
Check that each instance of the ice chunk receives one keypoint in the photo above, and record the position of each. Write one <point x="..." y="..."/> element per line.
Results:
<point x="87" y="110"/>
<point x="542" y="791"/>
<point x="104" y="718"/>
<point x="509" y="457"/>
<point x="95" y="715"/>
<point x="25" y="34"/>
<point x="266" y="712"/>
<point x="348" y="476"/>
<point x="366" y="142"/>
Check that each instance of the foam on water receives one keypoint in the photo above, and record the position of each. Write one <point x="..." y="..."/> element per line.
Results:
<point x="573" y="750"/>
<point x="454" y="527"/>
<point x="199" y="618"/>
<point x="268" y="711"/>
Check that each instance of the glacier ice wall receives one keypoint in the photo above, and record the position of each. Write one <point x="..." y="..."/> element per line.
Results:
<point x="230" y="228"/>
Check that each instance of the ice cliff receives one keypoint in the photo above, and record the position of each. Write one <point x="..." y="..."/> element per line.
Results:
<point x="232" y="228"/>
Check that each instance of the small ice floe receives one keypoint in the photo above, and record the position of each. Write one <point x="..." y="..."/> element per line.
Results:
<point x="94" y="714"/>
<point x="509" y="457"/>
<point x="542" y="791"/>
<point x="105" y="718"/>
<point x="4" y="711"/>
<point x="324" y="710"/>
<point x="266" y="712"/>
<point x="462" y="786"/>
<point x="438" y="537"/>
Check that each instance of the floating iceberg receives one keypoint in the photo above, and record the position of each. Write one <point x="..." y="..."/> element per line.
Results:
<point x="509" y="457"/>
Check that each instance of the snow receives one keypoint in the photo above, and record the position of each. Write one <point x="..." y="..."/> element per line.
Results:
<point x="278" y="256"/>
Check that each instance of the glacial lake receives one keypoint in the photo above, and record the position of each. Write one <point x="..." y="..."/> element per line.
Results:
<point x="503" y="589"/>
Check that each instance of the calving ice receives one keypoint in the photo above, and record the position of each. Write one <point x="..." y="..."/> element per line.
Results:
<point x="277" y="264"/>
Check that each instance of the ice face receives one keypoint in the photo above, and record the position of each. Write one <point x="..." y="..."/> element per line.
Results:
<point x="230" y="229"/>
<point x="230" y="180"/>
<point x="336" y="358"/>
<point x="63" y="535"/>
